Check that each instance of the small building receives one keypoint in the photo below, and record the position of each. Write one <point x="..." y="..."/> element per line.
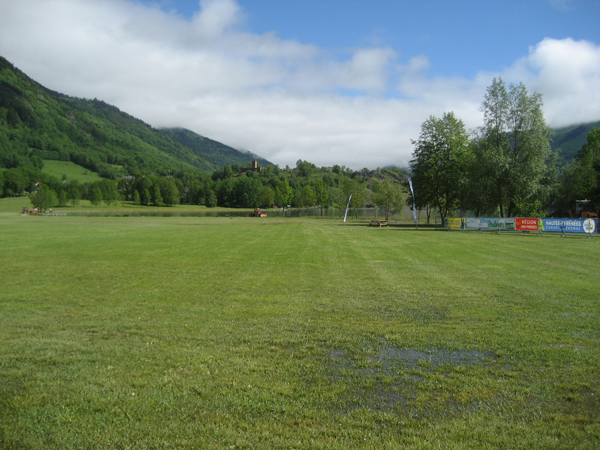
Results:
<point x="253" y="167"/>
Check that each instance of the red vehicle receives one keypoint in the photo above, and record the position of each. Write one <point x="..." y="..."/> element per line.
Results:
<point x="258" y="213"/>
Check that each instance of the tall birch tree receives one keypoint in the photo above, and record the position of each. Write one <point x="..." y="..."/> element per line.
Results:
<point x="439" y="163"/>
<point x="513" y="152"/>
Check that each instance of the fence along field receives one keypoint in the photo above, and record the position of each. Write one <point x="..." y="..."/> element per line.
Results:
<point x="565" y="226"/>
<point x="187" y="332"/>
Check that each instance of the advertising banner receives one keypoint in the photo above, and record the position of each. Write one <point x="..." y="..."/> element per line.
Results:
<point x="568" y="225"/>
<point x="526" y="224"/>
<point x="455" y="223"/>
<point x="495" y="224"/>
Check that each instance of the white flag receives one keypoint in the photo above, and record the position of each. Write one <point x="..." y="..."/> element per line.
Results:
<point x="347" y="206"/>
<point x="414" y="202"/>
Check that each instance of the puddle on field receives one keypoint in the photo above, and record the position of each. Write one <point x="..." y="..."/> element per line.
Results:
<point x="390" y="379"/>
<point x="389" y="356"/>
<point x="393" y="359"/>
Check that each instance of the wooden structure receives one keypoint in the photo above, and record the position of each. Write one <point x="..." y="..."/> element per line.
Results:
<point x="379" y="223"/>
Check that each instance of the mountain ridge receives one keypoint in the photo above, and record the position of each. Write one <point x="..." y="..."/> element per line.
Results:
<point x="571" y="138"/>
<point x="37" y="123"/>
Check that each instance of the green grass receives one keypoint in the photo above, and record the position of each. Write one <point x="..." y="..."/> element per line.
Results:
<point x="143" y="332"/>
<point x="71" y="170"/>
<point x="14" y="205"/>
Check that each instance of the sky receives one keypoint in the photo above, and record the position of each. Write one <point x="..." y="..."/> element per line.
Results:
<point x="345" y="82"/>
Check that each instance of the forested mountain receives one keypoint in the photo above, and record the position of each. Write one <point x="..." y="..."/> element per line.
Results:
<point x="216" y="153"/>
<point x="153" y="167"/>
<point x="571" y="139"/>
<point x="148" y="166"/>
<point x="38" y="124"/>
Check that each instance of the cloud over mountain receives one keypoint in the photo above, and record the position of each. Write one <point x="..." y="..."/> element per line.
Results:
<point x="283" y="99"/>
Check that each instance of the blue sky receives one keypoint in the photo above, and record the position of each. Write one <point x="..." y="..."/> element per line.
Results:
<point x="332" y="82"/>
<point x="460" y="38"/>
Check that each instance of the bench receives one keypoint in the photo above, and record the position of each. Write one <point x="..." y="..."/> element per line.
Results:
<point x="378" y="223"/>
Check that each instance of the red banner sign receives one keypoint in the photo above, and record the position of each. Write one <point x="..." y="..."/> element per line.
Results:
<point x="522" y="224"/>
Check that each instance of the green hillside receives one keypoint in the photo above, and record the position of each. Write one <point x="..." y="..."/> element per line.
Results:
<point x="571" y="139"/>
<point x="216" y="153"/>
<point x="37" y="124"/>
<point x="72" y="171"/>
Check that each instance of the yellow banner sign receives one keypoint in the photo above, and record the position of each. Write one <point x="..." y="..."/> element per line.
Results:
<point x="453" y="222"/>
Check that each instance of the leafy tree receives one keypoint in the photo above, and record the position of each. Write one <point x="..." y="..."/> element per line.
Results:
<point x="304" y="168"/>
<point x="388" y="197"/>
<point x="157" y="199"/>
<point x="37" y="161"/>
<point x="581" y="179"/>
<point x="439" y="162"/>
<point x="305" y="197"/>
<point x="74" y="196"/>
<point x="348" y="186"/>
<point x="246" y="192"/>
<point x="110" y="194"/>
<point x="321" y="194"/>
<point x="477" y="193"/>
<point x="359" y="197"/>
<point x="338" y="199"/>
<point x="267" y="196"/>
<point x="513" y="152"/>
<point x="418" y="202"/>
<point x="195" y="193"/>
<point x="62" y="198"/>
<point x="44" y="198"/>
<point x="283" y="193"/>
<point x="211" y="199"/>
<point x="15" y="182"/>
<point x="147" y="198"/>
<point x="169" y="192"/>
<point x="330" y="180"/>
<point x="96" y="196"/>
<point x="357" y="190"/>
<point x="136" y="197"/>
<point x="143" y="184"/>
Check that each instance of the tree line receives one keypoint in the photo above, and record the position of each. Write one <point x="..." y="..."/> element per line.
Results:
<point x="303" y="186"/>
<point x="506" y="167"/>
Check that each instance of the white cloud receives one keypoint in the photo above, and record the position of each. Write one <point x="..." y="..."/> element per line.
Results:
<point x="567" y="72"/>
<point x="216" y="16"/>
<point x="282" y="99"/>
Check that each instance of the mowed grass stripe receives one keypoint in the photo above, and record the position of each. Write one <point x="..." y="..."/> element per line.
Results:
<point x="282" y="333"/>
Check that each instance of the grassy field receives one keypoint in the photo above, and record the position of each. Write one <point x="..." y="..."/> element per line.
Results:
<point x="71" y="170"/>
<point x="178" y="332"/>
<point x="14" y="206"/>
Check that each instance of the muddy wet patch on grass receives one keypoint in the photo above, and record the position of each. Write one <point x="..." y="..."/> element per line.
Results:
<point x="406" y="379"/>
<point x="391" y="356"/>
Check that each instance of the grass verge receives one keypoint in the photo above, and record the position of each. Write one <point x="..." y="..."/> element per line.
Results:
<point x="179" y="332"/>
